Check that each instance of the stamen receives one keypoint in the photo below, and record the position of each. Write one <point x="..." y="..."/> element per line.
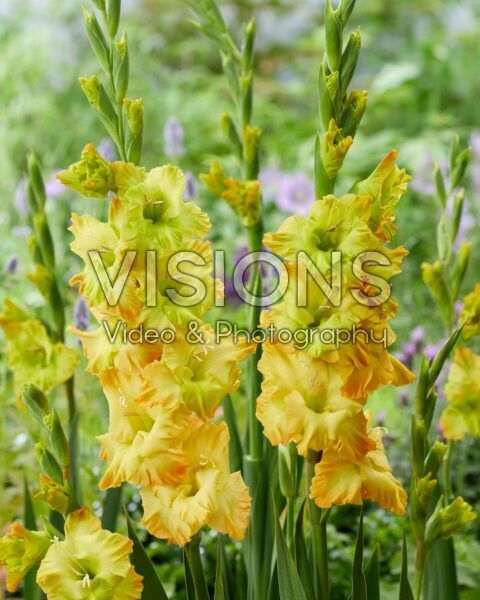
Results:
<point x="86" y="581"/>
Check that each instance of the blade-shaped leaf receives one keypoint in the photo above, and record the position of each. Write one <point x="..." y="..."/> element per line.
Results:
<point x="219" y="587"/>
<point x="289" y="583"/>
<point x="111" y="508"/>
<point x="405" y="589"/>
<point x="440" y="581"/>
<point x="235" y="450"/>
<point x="359" y="586"/>
<point x="189" y="585"/>
<point x="152" y="587"/>
<point x="30" y="589"/>
<point x="372" y="575"/>
<point x="301" y="557"/>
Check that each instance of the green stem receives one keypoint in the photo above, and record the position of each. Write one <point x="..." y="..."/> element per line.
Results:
<point x="73" y="437"/>
<point x="419" y="568"/>
<point x="446" y="473"/>
<point x="192" y="550"/>
<point x="318" y="525"/>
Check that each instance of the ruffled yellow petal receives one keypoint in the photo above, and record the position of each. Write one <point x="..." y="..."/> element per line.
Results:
<point x="89" y="563"/>
<point x="339" y="481"/>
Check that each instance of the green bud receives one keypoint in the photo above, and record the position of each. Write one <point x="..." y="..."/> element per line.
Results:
<point x="31" y="198"/>
<point x="248" y="43"/>
<point x="446" y="522"/>
<point x="418" y="445"/>
<point x="326" y="105"/>
<point x="434" y="277"/>
<point x="357" y="101"/>
<point x="98" y="98"/>
<point x="135" y="113"/>
<point x="48" y="463"/>
<point x="113" y="16"/>
<point x="36" y="181"/>
<point x="454" y="151"/>
<point x="34" y="249"/>
<point x="425" y="487"/>
<point x="58" y="439"/>
<point x="285" y="476"/>
<point x="457" y="213"/>
<point x="42" y="278"/>
<point x="333" y="36"/>
<point x="36" y="401"/>
<point x="416" y="512"/>
<point x="423" y="388"/>
<point x="96" y="38"/>
<point x="346" y="8"/>
<point x="349" y="61"/>
<point x="251" y="150"/>
<point x="123" y="71"/>
<point x="443" y="354"/>
<point x="92" y="175"/>
<point x="53" y="494"/>
<point x="246" y="85"/>
<point x="461" y="165"/>
<point x="435" y="457"/>
<point x="44" y="238"/>
<point x="230" y="70"/>
<point x="230" y="131"/>
<point x="440" y="185"/>
<point x="444" y="243"/>
<point x="460" y="267"/>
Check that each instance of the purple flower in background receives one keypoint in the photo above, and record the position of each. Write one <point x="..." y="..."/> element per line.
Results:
<point x="21" y="231"/>
<point x="53" y="187"/>
<point x="107" y="150"/>
<point x="403" y="398"/>
<point x="296" y="193"/>
<point x="417" y="336"/>
<point x="431" y="350"/>
<point x="173" y="138"/>
<point x="80" y="314"/>
<point x="191" y="187"/>
<point x="270" y="180"/>
<point x="380" y="418"/>
<point x="21" y="202"/>
<point x="11" y="265"/>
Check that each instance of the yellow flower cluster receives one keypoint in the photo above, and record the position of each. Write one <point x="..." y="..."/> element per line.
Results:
<point x="161" y="396"/>
<point x="89" y="562"/>
<point x="462" y="414"/>
<point x="32" y="354"/>
<point x="315" y="396"/>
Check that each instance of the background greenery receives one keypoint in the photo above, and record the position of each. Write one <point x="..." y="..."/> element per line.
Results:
<point x="420" y="64"/>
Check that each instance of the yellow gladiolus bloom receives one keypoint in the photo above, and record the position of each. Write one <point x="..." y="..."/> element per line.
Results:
<point x="89" y="563"/>
<point x="197" y="374"/>
<point x="21" y="550"/>
<point x="462" y="414"/>
<point x="144" y="445"/>
<point x="470" y="314"/>
<point x="207" y="495"/>
<point x="301" y="401"/>
<point x="341" y="481"/>
<point x="31" y="353"/>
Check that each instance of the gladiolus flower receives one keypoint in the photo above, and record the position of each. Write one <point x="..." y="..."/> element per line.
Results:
<point x="340" y="481"/>
<point x="20" y="551"/>
<point x="89" y="563"/>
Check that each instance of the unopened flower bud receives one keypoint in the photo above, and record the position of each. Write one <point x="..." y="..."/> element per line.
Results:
<point x="135" y="114"/>
<point x="92" y="175"/>
<point x="446" y="522"/>
<point x="53" y="494"/>
<point x="36" y="401"/>
<point x="48" y="463"/>
<point x="58" y="439"/>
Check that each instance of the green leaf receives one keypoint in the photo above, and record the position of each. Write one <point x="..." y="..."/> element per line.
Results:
<point x="152" y="587"/>
<point x="301" y="557"/>
<point x="359" y="585"/>
<point x="219" y="587"/>
<point x="189" y="585"/>
<point x="405" y="589"/>
<point x="443" y="354"/>
<point x="289" y="583"/>
<point x="372" y="575"/>
<point x="111" y="508"/>
<point x="30" y="589"/>
<point x="235" y="449"/>
<point x="440" y="582"/>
